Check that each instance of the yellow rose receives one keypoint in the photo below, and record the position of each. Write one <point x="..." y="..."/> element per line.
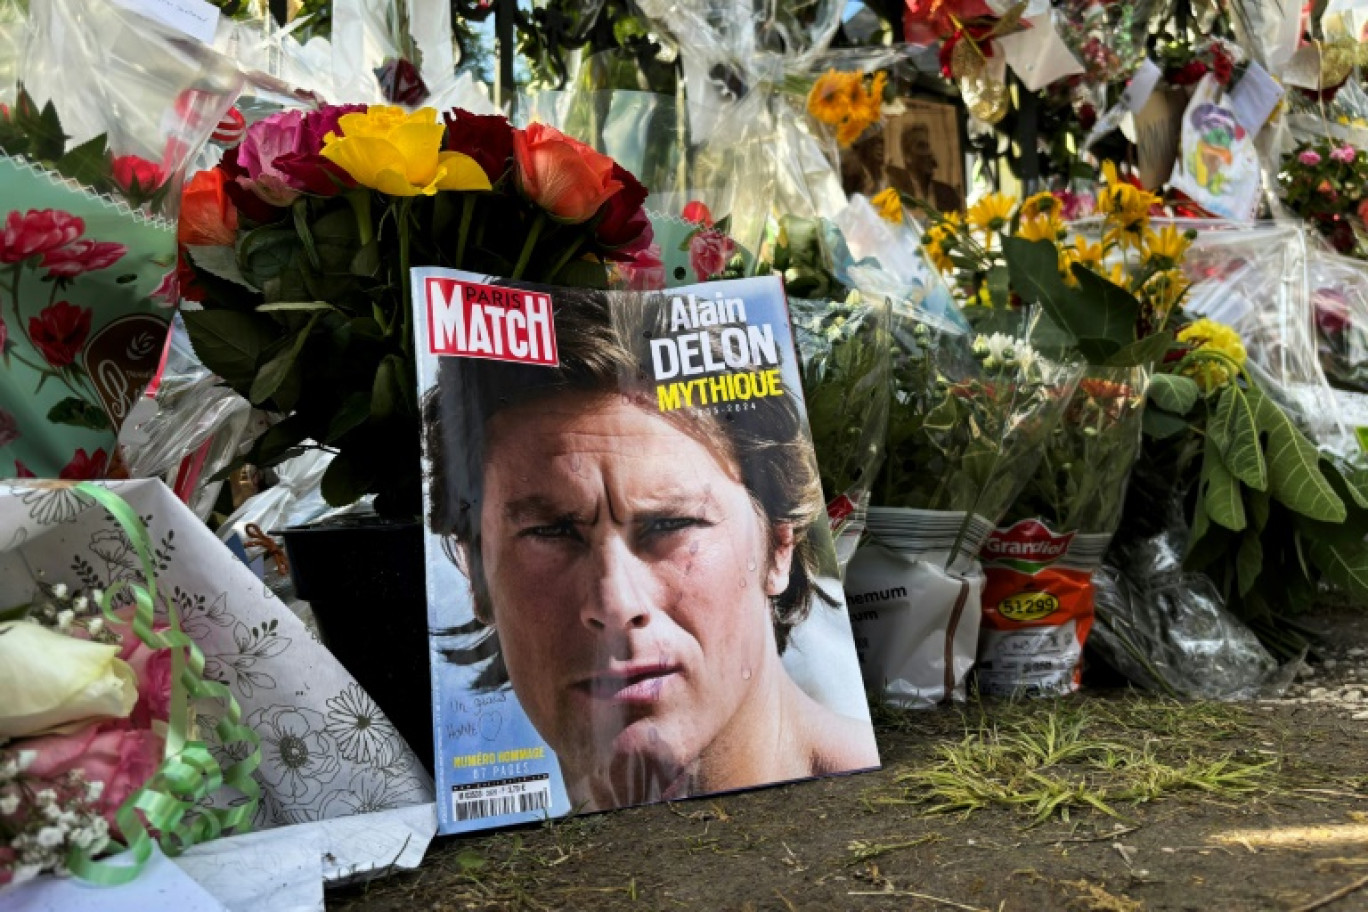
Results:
<point x="400" y="154"/>
<point x="49" y="681"/>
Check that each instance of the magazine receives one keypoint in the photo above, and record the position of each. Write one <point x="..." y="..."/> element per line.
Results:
<point x="632" y="590"/>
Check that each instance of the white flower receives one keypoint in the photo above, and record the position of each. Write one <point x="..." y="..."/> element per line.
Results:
<point x="95" y="626"/>
<point x="59" y="591"/>
<point x="25" y="872"/>
<point x="9" y="804"/>
<point x="50" y="837"/>
<point x="1026" y="357"/>
<point x="97" y="595"/>
<point x="64" y="619"/>
<point x="8" y="770"/>
<point x="25" y="760"/>
<point x="363" y="733"/>
<point x="53" y="812"/>
<point x="45" y="797"/>
<point x="94" y="790"/>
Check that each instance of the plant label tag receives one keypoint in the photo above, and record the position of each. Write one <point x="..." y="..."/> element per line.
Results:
<point x="497" y="322"/>
<point x="1254" y="98"/>
<point x="196" y="18"/>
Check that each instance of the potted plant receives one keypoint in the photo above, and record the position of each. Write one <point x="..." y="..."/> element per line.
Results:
<point x="298" y="247"/>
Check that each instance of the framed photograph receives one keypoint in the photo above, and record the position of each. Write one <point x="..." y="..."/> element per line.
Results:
<point x="919" y="153"/>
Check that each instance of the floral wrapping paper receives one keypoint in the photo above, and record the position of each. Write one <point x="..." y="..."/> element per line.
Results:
<point x="327" y="750"/>
<point x="84" y="286"/>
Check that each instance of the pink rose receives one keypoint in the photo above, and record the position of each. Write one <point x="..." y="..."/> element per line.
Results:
<point x="1344" y="154"/>
<point x="280" y="155"/>
<point x="122" y="758"/>
<point x="84" y="255"/>
<point x="562" y="175"/>
<point x="153" y="669"/>
<point x="9" y="428"/>
<point x="709" y="252"/>
<point x="645" y="271"/>
<point x="37" y="231"/>
<point x="1309" y="157"/>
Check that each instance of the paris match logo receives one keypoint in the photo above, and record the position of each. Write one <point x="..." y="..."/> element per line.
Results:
<point x="467" y="320"/>
<point x="1028" y="546"/>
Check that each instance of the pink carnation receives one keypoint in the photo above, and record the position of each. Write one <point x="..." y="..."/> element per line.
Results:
<point x="1309" y="157"/>
<point x="1344" y="154"/>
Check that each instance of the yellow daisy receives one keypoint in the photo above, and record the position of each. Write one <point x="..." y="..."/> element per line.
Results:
<point x="1208" y="335"/>
<point x="830" y="98"/>
<point x="889" y="205"/>
<point x="1041" y="228"/>
<point x="938" y="243"/>
<point x="1165" y="248"/>
<point x="1088" y="254"/>
<point x="1165" y="289"/>
<point x="991" y="213"/>
<point x="1043" y="203"/>
<point x="850" y="130"/>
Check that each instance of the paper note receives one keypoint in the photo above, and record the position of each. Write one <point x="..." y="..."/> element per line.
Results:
<point x="1141" y="86"/>
<point x="1254" y="98"/>
<point x="196" y="18"/>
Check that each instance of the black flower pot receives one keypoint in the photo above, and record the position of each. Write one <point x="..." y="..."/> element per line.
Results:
<point x="364" y="578"/>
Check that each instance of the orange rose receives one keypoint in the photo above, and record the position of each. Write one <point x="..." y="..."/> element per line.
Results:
<point x="562" y="175"/>
<point x="207" y="217"/>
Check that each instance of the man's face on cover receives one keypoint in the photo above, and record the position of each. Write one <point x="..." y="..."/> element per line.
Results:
<point x="630" y="575"/>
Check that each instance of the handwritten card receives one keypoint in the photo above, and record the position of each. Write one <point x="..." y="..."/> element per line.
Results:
<point x="196" y="18"/>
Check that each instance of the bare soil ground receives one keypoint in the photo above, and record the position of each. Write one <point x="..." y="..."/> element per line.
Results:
<point x="1106" y="802"/>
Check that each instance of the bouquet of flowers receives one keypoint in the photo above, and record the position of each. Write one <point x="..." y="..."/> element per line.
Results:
<point x="848" y="103"/>
<point x="299" y="245"/>
<point x="1323" y="182"/>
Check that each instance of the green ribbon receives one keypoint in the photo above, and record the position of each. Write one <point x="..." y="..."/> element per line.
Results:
<point x="169" y="804"/>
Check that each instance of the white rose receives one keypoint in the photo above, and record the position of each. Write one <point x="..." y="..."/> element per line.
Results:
<point x="49" y="681"/>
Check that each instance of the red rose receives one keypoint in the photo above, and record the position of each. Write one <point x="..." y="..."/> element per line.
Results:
<point x="625" y="228"/>
<point x="1189" y="74"/>
<point x="697" y="213"/>
<point x="37" y="231"/>
<point x="401" y="83"/>
<point x="233" y="181"/>
<point x="208" y="217"/>
<point x="59" y="332"/>
<point x="1222" y="66"/>
<point x="487" y="138"/>
<point x="83" y="256"/>
<point x="1362" y="213"/>
<point x="1087" y="116"/>
<point x="709" y="252"/>
<point x="85" y="468"/>
<point x="562" y="175"/>
<point x="137" y="176"/>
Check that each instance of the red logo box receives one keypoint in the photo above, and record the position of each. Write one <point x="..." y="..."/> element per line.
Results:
<point x="467" y="320"/>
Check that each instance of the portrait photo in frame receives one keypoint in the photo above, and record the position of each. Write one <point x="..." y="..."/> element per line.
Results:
<point x="919" y="152"/>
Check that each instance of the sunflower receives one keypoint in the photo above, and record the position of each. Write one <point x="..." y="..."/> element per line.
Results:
<point x="1041" y="228"/>
<point x="1208" y="335"/>
<point x="939" y="241"/>
<point x="830" y="98"/>
<point x="1089" y="255"/>
<point x="889" y="205"/>
<point x="1165" y="248"/>
<point x="991" y="213"/>
<point x="1043" y="203"/>
<point x="850" y="129"/>
<point x="1126" y="208"/>
<point x="1165" y="289"/>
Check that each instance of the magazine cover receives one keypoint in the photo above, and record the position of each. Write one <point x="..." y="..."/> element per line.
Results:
<point x="632" y="590"/>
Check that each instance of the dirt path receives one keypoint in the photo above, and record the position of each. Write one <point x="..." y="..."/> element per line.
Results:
<point x="1217" y="807"/>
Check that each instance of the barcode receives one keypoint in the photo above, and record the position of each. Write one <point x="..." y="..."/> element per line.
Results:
<point x="523" y="795"/>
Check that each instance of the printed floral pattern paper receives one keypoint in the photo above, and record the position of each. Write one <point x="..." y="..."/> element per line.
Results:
<point x="327" y="750"/>
<point x="84" y="283"/>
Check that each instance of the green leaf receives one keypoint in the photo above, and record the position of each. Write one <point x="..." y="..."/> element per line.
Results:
<point x="1344" y="565"/>
<point x="366" y="263"/>
<point x="1220" y="491"/>
<point x="386" y="391"/>
<point x="1249" y="561"/>
<point x="1259" y="504"/>
<point x="279" y="441"/>
<point x="75" y="412"/>
<point x="999" y="283"/>
<point x="1099" y="315"/>
<point x="1235" y="431"/>
<point x="292" y="306"/>
<point x="300" y="212"/>
<point x="218" y="260"/>
<point x="345" y="481"/>
<point x="1161" y="425"/>
<point x="1145" y="352"/>
<point x="265" y="253"/>
<point x="88" y="163"/>
<point x="273" y="373"/>
<point x="354" y="411"/>
<point x="1174" y="393"/>
<point x="1294" y="475"/>
<point x="230" y="342"/>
